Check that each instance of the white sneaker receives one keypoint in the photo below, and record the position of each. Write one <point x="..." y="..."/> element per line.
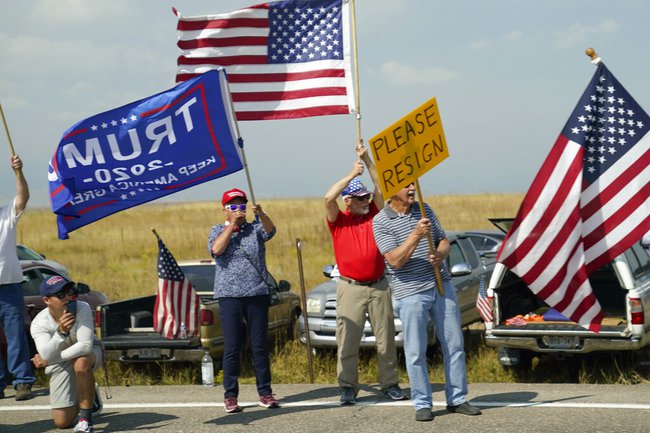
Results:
<point x="83" y="427"/>
<point x="97" y="402"/>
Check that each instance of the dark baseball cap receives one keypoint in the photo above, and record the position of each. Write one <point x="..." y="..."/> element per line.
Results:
<point x="54" y="285"/>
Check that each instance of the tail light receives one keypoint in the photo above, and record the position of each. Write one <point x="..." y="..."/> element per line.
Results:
<point x="206" y="318"/>
<point x="636" y="310"/>
<point x="98" y="318"/>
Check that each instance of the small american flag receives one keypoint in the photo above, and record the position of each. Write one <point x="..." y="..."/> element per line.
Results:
<point x="176" y="300"/>
<point x="588" y="203"/>
<point x="483" y="303"/>
<point x="284" y="59"/>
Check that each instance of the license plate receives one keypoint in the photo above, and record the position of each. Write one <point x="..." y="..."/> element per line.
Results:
<point x="148" y="353"/>
<point x="559" y="342"/>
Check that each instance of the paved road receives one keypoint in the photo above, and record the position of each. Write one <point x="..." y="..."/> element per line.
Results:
<point x="517" y="408"/>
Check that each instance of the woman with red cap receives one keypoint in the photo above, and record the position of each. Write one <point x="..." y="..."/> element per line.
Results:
<point x="240" y="286"/>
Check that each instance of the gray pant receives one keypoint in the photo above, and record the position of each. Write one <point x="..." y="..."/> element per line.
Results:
<point x="352" y="304"/>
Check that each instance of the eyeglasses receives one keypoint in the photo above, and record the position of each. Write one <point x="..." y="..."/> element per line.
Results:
<point x="364" y="197"/>
<point x="234" y="207"/>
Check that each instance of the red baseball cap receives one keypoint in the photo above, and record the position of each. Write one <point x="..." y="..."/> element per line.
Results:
<point x="233" y="194"/>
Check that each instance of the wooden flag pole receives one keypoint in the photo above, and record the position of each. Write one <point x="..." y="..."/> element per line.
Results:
<point x="4" y="121"/>
<point x="432" y="248"/>
<point x="303" y="301"/>
<point x="356" y="70"/>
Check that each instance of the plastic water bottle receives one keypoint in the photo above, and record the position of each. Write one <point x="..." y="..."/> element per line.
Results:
<point x="207" y="370"/>
<point x="183" y="332"/>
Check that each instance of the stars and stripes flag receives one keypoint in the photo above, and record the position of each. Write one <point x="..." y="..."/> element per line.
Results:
<point x="284" y="59"/>
<point x="176" y="300"/>
<point x="482" y="302"/>
<point x="588" y="203"/>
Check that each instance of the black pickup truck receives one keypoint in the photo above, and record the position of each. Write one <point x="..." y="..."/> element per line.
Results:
<point x="126" y="327"/>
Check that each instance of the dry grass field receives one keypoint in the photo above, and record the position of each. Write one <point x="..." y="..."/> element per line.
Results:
<point x="117" y="255"/>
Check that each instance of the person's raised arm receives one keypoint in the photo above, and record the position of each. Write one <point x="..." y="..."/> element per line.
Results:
<point x="264" y="218"/>
<point x="377" y="195"/>
<point x="22" y="190"/>
<point x="331" y="206"/>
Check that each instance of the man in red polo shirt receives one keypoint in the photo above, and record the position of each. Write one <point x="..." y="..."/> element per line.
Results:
<point x="362" y="287"/>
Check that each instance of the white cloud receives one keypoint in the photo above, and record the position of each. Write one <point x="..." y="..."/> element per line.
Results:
<point x="480" y="44"/>
<point x="403" y="74"/>
<point x="77" y="11"/>
<point x="514" y="35"/>
<point x="579" y="33"/>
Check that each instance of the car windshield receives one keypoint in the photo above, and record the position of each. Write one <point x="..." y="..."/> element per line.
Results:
<point x="25" y="253"/>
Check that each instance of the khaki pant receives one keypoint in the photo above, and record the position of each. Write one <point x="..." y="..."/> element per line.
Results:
<point x="352" y="304"/>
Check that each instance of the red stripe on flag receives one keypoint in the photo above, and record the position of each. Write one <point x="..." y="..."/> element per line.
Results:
<point x="287" y="95"/>
<point x="229" y="23"/>
<point x="292" y="114"/>
<point x="223" y="61"/>
<point x="222" y="42"/>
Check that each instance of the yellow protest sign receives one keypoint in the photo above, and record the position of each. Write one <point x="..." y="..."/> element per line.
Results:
<point x="409" y="148"/>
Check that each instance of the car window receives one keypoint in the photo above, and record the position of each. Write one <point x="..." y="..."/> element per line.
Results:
<point x="639" y="262"/>
<point x="455" y="255"/>
<point x="482" y="243"/>
<point x="31" y="281"/>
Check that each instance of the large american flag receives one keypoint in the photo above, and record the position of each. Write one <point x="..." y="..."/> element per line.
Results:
<point x="284" y="60"/>
<point x="176" y="300"/>
<point x="588" y="203"/>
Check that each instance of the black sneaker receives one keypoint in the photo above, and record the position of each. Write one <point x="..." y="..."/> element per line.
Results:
<point x="464" y="409"/>
<point x="348" y="395"/>
<point x="424" y="414"/>
<point x="394" y="392"/>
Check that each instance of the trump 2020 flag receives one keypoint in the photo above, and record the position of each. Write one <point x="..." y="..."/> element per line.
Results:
<point x="143" y="151"/>
<point x="588" y="203"/>
<point x="176" y="300"/>
<point x="285" y="59"/>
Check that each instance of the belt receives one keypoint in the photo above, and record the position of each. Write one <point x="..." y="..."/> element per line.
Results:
<point x="360" y="283"/>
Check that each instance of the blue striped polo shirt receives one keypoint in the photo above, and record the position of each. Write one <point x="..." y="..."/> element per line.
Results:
<point x="391" y="230"/>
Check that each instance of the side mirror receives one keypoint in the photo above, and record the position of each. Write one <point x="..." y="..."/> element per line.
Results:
<point x="284" y="286"/>
<point x="327" y="270"/>
<point x="83" y="288"/>
<point x="460" y="269"/>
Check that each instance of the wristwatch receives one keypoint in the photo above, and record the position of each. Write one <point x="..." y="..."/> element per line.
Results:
<point x="62" y="334"/>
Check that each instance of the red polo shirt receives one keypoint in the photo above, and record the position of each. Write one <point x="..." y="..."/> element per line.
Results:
<point x="355" y="249"/>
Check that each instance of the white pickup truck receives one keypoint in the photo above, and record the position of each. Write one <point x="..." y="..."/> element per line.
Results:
<point x="622" y="288"/>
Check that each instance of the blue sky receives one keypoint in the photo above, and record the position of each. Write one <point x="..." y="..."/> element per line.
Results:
<point x="506" y="74"/>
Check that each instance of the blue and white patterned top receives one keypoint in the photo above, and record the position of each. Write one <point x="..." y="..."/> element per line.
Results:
<point x="240" y="270"/>
<point x="391" y="230"/>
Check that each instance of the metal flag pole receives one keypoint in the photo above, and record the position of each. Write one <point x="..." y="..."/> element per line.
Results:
<point x="4" y="122"/>
<point x="356" y="70"/>
<point x="240" y="143"/>
<point x="432" y="248"/>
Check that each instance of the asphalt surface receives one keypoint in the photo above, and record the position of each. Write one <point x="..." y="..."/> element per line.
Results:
<point x="315" y="408"/>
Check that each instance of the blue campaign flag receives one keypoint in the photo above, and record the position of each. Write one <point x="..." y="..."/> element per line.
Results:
<point x="143" y="151"/>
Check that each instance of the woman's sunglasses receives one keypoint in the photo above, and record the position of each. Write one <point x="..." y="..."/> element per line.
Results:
<point x="234" y="207"/>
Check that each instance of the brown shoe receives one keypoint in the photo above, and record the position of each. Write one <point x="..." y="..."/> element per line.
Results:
<point x="24" y="391"/>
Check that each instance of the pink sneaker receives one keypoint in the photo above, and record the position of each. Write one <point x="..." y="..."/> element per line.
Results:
<point x="230" y="403"/>
<point x="269" y="401"/>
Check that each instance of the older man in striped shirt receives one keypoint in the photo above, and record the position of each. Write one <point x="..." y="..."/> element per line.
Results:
<point x="400" y="231"/>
